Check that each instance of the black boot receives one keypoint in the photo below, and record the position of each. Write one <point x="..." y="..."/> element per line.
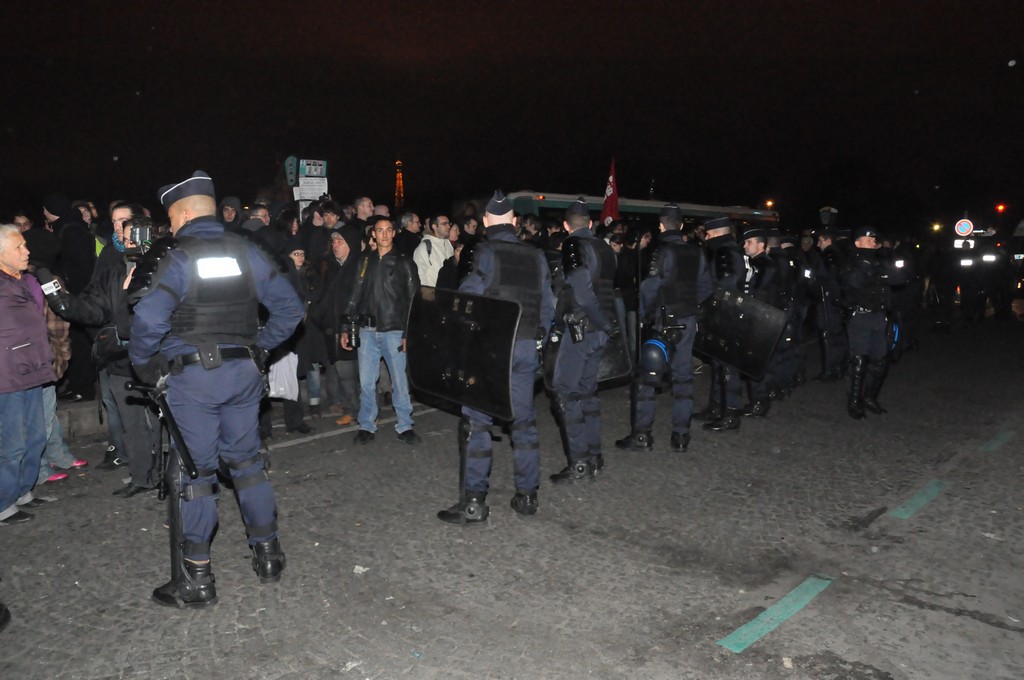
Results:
<point x="757" y="409"/>
<point x="636" y="441"/>
<point x="680" y="440"/>
<point x="855" y="397"/>
<point x="111" y="460"/>
<point x="871" y="404"/>
<point x="194" y="588"/>
<point x="268" y="560"/>
<point x="473" y="512"/>
<point x="874" y="374"/>
<point x="730" y="420"/>
<point x="580" y="471"/>
<point x="525" y="502"/>
<point x="713" y="411"/>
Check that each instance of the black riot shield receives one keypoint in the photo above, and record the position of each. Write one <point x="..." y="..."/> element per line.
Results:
<point x="739" y="330"/>
<point x="460" y="348"/>
<point x="617" y="360"/>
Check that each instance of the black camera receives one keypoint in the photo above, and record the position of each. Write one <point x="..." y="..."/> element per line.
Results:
<point x="138" y="236"/>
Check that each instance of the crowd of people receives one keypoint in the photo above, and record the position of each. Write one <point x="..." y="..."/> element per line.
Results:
<point x="71" y="322"/>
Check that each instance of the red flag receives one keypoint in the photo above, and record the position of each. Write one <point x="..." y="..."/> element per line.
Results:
<point x="610" y="209"/>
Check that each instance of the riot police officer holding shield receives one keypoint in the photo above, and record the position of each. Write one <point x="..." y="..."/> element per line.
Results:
<point x="196" y="328"/>
<point x="507" y="268"/>
<point x="676" y="283"/>
<point x="728" y="272"/>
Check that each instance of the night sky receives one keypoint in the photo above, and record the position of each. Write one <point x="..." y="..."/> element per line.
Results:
<point x="898" y="113"/>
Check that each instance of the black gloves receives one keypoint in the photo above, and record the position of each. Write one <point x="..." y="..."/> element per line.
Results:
<point x="151" y="371"/>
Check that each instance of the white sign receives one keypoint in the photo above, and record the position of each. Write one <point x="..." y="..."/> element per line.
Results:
<point x="311" y="168"/>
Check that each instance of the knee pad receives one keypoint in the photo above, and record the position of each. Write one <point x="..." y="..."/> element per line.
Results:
<point x="247" y="473"/>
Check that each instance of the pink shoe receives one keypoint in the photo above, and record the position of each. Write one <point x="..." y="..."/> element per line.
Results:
<point x="56" y="477"/>
<point x="79" y="464"/>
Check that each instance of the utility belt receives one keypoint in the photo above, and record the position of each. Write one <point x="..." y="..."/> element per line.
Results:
<point x="210" y="357"/>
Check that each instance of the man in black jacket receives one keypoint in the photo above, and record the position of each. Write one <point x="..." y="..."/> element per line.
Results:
<point x="378" y="309"/>
<point x="76" y="258"/>
<point x="104" y="304"/>
<point x="328" y="314"/>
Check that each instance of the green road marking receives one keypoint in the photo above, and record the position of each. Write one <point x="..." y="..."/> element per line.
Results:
<point x="919" y="499"/>
<point x="997" y="441"/>
<point x="774" y="616"/>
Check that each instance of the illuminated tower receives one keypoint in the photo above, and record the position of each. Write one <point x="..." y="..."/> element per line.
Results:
<point x="399" y="186"/>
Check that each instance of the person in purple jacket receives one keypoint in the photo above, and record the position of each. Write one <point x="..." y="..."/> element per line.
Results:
<point x="26" y="364"/>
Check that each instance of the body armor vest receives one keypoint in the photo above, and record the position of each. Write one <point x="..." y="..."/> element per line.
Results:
<point x="679" y="295"/>
<point x="220" y="305"/>
<point x="602" y="278"/>
<point x="517" y="276"/>
<point x="727" y="263"/>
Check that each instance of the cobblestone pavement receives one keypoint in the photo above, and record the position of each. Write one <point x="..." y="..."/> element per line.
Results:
<point x="636" y="575"/>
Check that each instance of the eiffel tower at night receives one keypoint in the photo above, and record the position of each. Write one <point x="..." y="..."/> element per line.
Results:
<point x="399" y="185"/>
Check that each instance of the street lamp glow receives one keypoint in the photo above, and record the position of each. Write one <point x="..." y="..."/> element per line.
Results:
<point x="936" y="227"/>
<point x="769" y="204"/>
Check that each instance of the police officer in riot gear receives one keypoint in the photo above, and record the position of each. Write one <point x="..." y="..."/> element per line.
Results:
<point x="828" y="313"/>
<point x="800" y="264"/>
<point x="196" y="319"/>
<point x="676" y="282"/>
<point x="728" y="271"/>
<point x="866" y="294"/>
<point x="764" y="282"/>
<point x="780" y="383"/>
<point x="589" y="268"/>
<point x="906" y="297"/>
<point x="510" y="269"/>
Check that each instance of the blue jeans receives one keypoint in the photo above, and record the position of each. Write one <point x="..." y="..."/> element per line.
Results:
<point x="55" y="454"/>
<point x="22" y="440"/>
<point x="374" y="346"/>
<point x="313" y="384"/>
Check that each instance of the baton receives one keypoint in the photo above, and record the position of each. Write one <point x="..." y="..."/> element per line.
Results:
<point x="158" y="395"/>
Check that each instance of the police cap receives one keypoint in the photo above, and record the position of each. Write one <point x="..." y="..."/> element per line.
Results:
<point x="864" y="231"/>
<point x="499" y="204"/>
<point x="755" y="232"/>
<point x="718" y="223"/>
<point x="199" y="184"/>
<point x="577" y="207"/>
<point x="672" y="211"/>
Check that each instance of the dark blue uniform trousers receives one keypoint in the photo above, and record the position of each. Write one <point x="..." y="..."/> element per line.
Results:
<point x="682" y="385"/>
<point x="217" y="412"/>
<point x="867" y="332"/>
<point x="525" y="443"/>
<point x="575" y="387"/>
